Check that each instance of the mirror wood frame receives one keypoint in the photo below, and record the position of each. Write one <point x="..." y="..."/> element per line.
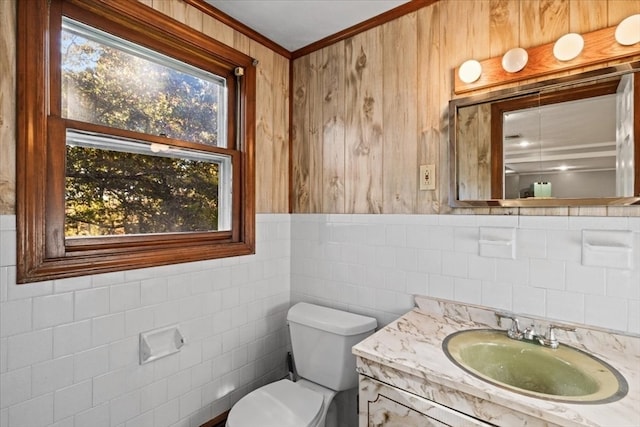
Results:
<point x="545" y="92"/>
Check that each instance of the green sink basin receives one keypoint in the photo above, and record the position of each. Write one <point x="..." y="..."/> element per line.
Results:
<point x="565" y="374"/>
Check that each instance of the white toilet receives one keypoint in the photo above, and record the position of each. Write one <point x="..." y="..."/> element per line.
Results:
<point x="321" y="338"/>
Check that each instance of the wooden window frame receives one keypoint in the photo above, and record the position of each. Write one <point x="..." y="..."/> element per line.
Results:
<point x="43" y="253"/>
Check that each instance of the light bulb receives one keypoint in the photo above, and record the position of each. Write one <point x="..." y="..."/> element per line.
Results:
<point x="515" y="60"/>
<point x="568" y="47"/>
<point x="470" y="71"/>
<point x="628" y="31"/>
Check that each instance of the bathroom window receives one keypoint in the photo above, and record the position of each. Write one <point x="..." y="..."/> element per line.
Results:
<point x="135" y="141"/>
<point x="122" y="185"/>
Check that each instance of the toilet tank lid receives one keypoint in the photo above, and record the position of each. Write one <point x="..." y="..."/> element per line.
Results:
<point x="331" y="320"/>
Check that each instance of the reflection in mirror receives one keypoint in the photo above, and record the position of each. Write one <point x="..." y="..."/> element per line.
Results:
<point x="574" y="143"/>
<point x="565" y="145"/>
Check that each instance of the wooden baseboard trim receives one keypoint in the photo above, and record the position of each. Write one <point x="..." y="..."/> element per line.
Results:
<point x="218" y="421"/>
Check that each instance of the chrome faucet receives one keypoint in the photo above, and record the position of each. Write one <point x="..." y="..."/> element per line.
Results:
<point x="529" y="333"/>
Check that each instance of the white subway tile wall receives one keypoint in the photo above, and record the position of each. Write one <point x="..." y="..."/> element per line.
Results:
<point x="396" y="256"/>
<point x="69" y="348"/>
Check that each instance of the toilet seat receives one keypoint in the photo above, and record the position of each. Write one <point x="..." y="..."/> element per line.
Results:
<point x="279" y="404"/>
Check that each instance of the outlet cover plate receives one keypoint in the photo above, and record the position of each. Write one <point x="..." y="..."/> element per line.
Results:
<point x="427" y="177"/>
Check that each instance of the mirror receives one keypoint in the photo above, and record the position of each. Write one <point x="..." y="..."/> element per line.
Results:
<point x="565" y="142"/>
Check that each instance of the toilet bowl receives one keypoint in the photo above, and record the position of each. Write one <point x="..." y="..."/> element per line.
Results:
<point x="285" y="403"/>
<point x="321" y="339"/>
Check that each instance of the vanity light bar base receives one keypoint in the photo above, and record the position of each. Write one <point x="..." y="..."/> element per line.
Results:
<point x="600" y="47"/>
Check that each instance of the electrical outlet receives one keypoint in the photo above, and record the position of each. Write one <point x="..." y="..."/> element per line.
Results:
<point x="427" y="177"/>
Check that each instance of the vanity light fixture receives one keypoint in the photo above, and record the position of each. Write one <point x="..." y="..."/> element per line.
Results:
<point x="470" y="71"/>
<point x="628" y="30"/>
<point x="570" y="52"/>
<point x="568" y="47"/>
<point x="515" y="60"/>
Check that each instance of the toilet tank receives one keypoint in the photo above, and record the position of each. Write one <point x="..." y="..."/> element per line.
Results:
<point x="322" y="338"/>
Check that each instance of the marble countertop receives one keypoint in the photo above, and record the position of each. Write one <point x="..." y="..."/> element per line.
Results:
<point x="413" y="345"/>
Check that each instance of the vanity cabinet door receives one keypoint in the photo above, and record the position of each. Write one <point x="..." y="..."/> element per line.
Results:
<point x="385" y="406"/>
<point x="386" y="412"/>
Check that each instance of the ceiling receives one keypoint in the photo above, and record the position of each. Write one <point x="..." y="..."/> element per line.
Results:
<point x="294" y="24"/>
<point x="575" y="135"/>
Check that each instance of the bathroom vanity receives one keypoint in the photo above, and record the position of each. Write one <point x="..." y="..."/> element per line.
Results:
<point x="407" y="380"/>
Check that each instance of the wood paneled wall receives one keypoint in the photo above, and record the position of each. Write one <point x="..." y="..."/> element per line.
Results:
<point x="394" y="83"/>
<point x="367" y="110"/>
<point x="272" y="103"/>
<point x="7" y="107"/>
<point x="474" y="148"/>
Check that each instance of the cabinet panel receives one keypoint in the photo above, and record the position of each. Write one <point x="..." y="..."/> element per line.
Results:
<point x="389" y="413"/>
<point x="383" y="405"/>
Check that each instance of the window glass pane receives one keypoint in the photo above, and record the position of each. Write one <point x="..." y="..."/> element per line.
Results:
<point x="112" y="82"/>
<point x="119" y="186"/>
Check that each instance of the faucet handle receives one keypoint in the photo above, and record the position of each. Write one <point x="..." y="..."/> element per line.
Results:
<point x="514" y="331"/>
<point x="553" y="326"/>
<point x="550" y="339"/>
